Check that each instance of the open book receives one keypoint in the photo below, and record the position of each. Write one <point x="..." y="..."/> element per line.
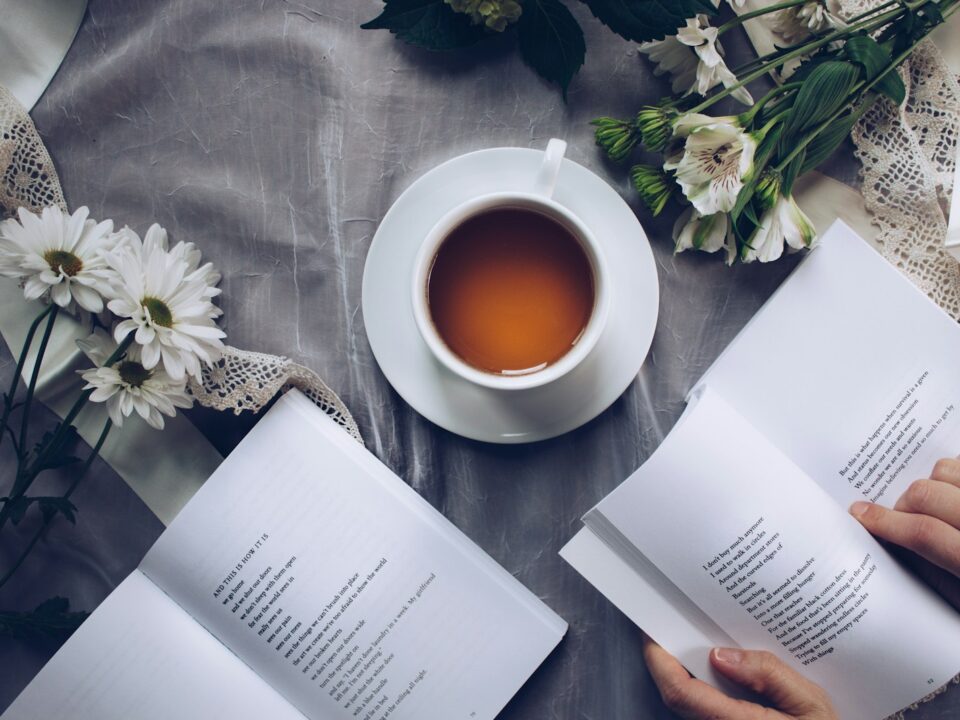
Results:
<point x="303" y="580"/>
<point x="735" y="532"/>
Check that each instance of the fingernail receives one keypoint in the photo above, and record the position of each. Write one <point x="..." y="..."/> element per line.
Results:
<point x="859" y="508"/>
<point x="728" y="656"/>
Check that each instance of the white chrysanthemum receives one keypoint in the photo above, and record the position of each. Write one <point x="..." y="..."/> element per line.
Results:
<point x="708" y="234"/>
<point x="57" y="253"/>
<point x="715" y="161"/>
<point x="127" y="386"/>
<point x="671" y="57"/>
<point x="796" y="24"/>
<point x="711" y="68"/>
<point x="784" y="222"/>
<point x="165" y="298"/>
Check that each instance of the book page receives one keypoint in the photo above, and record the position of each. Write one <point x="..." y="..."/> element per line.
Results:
<point x="851" y="371"/>
<point x="141" y="656"/>
<point x="651" y="601"/>
<point x="343" y="588"/>
<point x="778" y="565"/>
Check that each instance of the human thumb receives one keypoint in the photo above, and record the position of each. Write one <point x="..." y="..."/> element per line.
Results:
<point x="765" y="674"/>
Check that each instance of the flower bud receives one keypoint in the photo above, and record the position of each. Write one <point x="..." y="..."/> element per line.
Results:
<point x="617" y="137"/>
<point x="654" y="185"/>
<point x="655" y="125"/>
<point x="768" y="188"/>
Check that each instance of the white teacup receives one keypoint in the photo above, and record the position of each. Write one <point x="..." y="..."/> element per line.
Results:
<point x="538" y="200"/>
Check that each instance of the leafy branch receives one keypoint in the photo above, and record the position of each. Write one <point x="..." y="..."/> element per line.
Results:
<point x="548" y="35"/>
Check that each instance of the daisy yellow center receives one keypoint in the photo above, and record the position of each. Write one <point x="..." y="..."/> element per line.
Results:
<point x="133" y="373"/>
<point x="63" y="261"/>
<point x="159" y="312"/>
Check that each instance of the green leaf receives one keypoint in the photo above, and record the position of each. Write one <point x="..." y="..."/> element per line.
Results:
<point x="430" y="24"/>
<point x="17" y="509"/>
<point x="766" y="148"/>
<point x="892" y="86"/>
<point x="643" y="20"/>
<point x="827" y="142"/>
<point x="824" y="92"/>
<point x="791" y="171"/>
<point x="864" y="50"/>
<point x="551" y="41"/>
<point x="874" y="60"/>
<point x="49" y="457"/>
<point x="51" y="619"/>
<point x="745" y="196"/>
<point x="50" y="506"/>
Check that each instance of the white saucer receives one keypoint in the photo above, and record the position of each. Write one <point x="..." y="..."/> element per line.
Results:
<point x="495" y="415"/>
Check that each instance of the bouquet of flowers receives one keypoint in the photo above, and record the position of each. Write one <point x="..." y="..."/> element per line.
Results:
<point x="735" y="173"/>
<point x="153" y="324"/>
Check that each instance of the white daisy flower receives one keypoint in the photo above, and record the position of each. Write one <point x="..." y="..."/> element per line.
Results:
<point x="127" y="386"/>
<point x="784" y="222"/>
<point x="60" y="254"/>
<point x="715" y="161"/>
<point x="711" y="69"/>
<point x="708" y="234"/>
<point x="165" y="298"/>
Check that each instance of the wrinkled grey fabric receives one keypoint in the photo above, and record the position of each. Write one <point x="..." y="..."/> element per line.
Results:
<point x="275" y="135"/>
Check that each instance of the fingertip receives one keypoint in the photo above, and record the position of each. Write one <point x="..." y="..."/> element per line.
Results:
<point x="726" y="657"/>
<point x="859" y="509"/>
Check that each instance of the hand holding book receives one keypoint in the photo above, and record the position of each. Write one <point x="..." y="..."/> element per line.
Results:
<point x="925" y="521"/>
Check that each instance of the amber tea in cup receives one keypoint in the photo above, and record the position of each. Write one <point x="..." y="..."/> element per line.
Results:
<point x="510" y="290"/>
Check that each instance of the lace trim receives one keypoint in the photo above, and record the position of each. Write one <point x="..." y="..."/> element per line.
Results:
<point x="242" y="380"/>
<point x="28" y="178"/>
<point x="245" y="380"/>
<point x="907" y="156"/>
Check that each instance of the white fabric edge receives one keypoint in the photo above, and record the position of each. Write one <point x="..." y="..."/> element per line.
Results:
<point x="35" y="36"/>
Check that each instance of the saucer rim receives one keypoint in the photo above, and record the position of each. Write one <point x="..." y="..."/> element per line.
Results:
<point x="460" y="424"/>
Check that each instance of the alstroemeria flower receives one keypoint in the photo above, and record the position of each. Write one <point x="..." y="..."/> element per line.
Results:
<point x="715" y="161"/>
<point x="708" y="234"/>
<point x="671" y="57"/>
<point x="784" y="222"/>
<point x="711" y="69"/>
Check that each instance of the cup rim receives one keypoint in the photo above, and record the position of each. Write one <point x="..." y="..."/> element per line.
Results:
<point x="423" y="264"/>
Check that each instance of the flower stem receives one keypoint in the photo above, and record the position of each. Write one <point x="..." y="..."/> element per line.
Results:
<point x="866" y="25"/>
<point x="52" y="446"/>
<point x="32" y="385"/>
<point x="66" y="496"/>
<point x="748" y="117"/>
<point x="21" y="361"/>
<point x="740" y="19"/>
<point x="59" y="435"/>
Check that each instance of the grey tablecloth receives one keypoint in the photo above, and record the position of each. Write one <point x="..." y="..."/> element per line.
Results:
<point x="276" y="135"/>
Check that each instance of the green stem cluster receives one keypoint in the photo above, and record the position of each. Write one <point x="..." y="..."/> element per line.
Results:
<point x="30" y="464"/>
<point x="66" y="496"/>
<point x="866" y="22"/>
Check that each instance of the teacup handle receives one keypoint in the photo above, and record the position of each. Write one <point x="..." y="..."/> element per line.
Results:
<point x="547" y="176"/>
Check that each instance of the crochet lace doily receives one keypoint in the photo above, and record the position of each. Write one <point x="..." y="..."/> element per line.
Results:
<point x="907" y="156"/>
<point x="241" y="380"/>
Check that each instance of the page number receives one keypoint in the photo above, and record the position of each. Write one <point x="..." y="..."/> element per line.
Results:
<point x="930" y="681"/>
